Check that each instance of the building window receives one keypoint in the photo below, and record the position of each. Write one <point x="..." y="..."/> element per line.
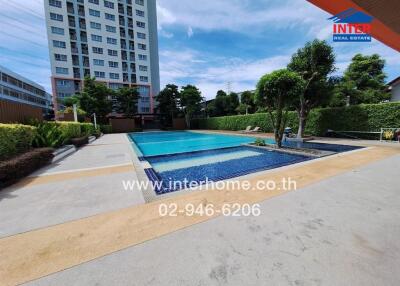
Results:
<point x="60" y="57"/>
<point x="113" y="53"/>
<point x="142" y="46"/>
<point x="113" y="64"/>
<point x="94" y="2"/>
<point x="142" y="68"/>
<point x="94" y="13"/>
<point x="114" y="75"/>
<point x="142" y="57"/>
<point x="56" y="17"/>
<point x="95" y="25"/>
<point x="109" y="4"/>
<point x="63" y="94"/>
<point x="110" y="17"/>
<point x="140" y="24"/>
<point x="59" y="44"/>
<point x="112" y="41"/>
<point x="144" y="78"/>
<point x="57" y="31"/>
<point x="60" y="70"/>
<point x="141" y="35"/>
<point x="139" y="2"/>
<point x="55" y="3"/>
<point x="97" y="62"/>
<point x="111" y="29"/>
<point x="62" y="82"/>
<point x="99" y="74"/>
<point x="96" y="38"/>
<point x="140" y="13"/>
<point x="145" y="109"/>
<point x="97" y="50"/>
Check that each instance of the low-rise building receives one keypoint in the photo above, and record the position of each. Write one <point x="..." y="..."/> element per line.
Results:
<point x="394" y="89"/>
<point x="21" y="97"/>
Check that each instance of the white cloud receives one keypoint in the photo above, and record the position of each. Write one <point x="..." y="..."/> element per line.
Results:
<point x="235" y="15"/>
<point x="188" y="66"/>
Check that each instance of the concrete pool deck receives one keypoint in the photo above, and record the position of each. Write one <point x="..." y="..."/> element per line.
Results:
<point x="108" y="236"/>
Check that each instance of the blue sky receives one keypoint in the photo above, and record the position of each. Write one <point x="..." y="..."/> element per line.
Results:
<point x="207" y="43"/>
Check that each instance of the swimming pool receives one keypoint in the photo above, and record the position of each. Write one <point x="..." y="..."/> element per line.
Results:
<point x="184" y="156"/>
<point x="162" y="143"/>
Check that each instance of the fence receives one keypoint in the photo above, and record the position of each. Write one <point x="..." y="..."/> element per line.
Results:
<point x="15" y="112"/>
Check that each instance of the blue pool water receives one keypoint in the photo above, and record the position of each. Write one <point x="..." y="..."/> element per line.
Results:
<point x="161" y="143"/>
<point x="215" y="165"/>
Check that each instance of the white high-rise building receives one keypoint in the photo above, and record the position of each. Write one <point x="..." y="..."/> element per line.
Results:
<point x="113" y="40"/>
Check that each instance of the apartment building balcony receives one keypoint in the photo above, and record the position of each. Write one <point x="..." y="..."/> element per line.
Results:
<point x="125" y="77"/>
<point x="77" y="73"/>
<point x="82" y="24"/>
<point x="72" y="35"/>
<point x="86" y="72"/>
<point x="133" y="67"/>
<point x="75" y="60"/>
<point x="131" y="34"/>
<point x="121" y="9"/>
<point x="71" y="21"/>
<point x="81" y="11"/>
<point x="85" y="61"/>
<point x="70" y="8"/>
<point x="133" y="78"/>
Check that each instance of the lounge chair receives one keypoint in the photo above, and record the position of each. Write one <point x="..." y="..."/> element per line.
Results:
<point x="248" y="129"/>
<point x="256" y="129"/>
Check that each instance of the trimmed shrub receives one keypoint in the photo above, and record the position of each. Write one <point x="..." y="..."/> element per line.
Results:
<point x="15" y="139"/>
<point x="69" y="129"/>
<point x="87" y="129"/>
<point x="22" y="165"/>
<point x="364" y="117"/>
<point x="78" y="142"/>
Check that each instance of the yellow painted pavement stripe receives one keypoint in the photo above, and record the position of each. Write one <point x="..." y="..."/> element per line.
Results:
<point x="59" y="177"/>
<point x="34" y="254"/>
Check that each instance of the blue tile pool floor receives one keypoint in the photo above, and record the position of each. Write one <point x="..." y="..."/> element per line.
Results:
<point x="215" y="165"/>
<point x="184" y="156"/>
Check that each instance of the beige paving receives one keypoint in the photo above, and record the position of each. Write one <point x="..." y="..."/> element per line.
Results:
<point x="41" y="252"/>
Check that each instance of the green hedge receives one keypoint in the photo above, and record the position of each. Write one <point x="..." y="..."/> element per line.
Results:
<point x="15" y="139"/>
<point x="365" y="117"/>
<point x="87" y="129"/>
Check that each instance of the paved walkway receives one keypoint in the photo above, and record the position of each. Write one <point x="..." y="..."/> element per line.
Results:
<point x="86" y="183"/>
<point x="340" y="228"/>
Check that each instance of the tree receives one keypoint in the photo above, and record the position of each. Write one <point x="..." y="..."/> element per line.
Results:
<point x="221" y="104"/>
<point x="276" y="92"/>
<point x="126" y="100"/>
<point x="168" y="100"/>
<point x="314" y="62"/>
<point x="233" y="103"/>
<point x="247" y="99"/>
<point x="366" y="77"/>
<point x="190" y="101"/>
<point x="225" y="104"/>
<point x="95" y="98"/>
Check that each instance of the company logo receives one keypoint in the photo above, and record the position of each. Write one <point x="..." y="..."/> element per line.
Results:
<point x="351" y="26"/>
